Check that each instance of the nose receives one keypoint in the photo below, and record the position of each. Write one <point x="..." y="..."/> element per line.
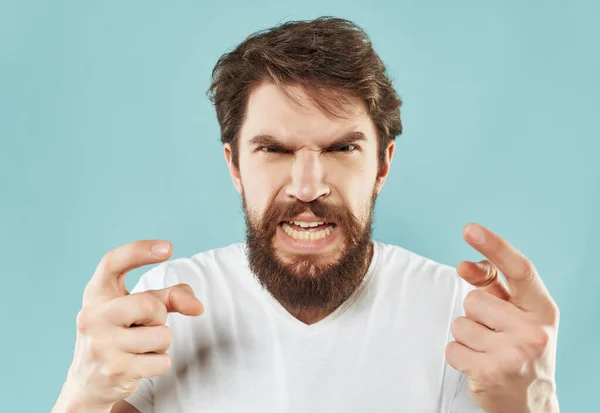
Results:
<point x="307" y="180"/>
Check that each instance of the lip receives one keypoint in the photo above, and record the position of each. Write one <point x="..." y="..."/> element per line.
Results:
<point x="307" y="245"/>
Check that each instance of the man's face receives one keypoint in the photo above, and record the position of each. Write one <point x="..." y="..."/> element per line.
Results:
<point x="308" y="182"/>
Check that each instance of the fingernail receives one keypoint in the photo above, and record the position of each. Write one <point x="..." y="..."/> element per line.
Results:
<point x="476" y="234"/>
<point x="160" y="249"/>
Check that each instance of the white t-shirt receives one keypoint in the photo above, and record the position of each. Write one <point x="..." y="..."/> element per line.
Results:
<point x="381" y="351"/>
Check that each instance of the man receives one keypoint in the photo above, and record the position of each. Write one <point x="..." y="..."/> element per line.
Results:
<point x="311" y="314"/>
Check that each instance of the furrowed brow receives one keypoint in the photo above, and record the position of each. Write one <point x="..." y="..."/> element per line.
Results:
<point x="349" y="138"/>
<point x="268" y="140"/>
<point x="265" y="140"/>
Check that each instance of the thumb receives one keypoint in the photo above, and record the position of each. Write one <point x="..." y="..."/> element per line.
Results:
<point x="181" y="299"/>
<point x="485" y="276"/>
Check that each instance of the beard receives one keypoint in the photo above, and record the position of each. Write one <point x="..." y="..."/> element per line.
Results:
<point x="309" y="281"/>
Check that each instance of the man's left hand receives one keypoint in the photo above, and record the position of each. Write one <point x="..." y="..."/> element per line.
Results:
<point x="506" y="344"/>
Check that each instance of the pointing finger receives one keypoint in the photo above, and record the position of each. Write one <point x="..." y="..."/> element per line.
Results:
<point x="526" y="286"/>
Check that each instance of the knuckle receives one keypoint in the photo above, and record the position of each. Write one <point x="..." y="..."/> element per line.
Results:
<point x="165" y="336"/>
<point x="535" y="343"/>
<point x="516" y="363"/>
<point x="490" y="374"/>
<point x="96" y="349"/>
<point x="448" y="351"/>
<point x="539" y="340"/>
<point x="147" y="304"/>
<point x="472" y="298"/>
<point x="530" y="271"/>
<point x="454" y="329"/>
<point x="83" y="321"/>
<point x="106" y="263"/>
<point x="113" y="371"/>
<point x="166" y="363"/>
<point x="185" y="287"/>
<point x="491" y="275"/>
<point x="553" y="313"/>
<point x="457" y="326"/>
<point x="160" y="313"/>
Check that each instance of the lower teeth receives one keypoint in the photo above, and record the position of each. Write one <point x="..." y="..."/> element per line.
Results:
<point x="306" y="235"/>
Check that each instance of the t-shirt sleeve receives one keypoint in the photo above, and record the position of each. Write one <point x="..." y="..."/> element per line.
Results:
<point x="463" y="403"/>
<point x="143" y="398"/>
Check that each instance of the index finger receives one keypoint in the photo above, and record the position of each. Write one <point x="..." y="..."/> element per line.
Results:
<point x="108" y="281"/>
<point x="527" y="289"/>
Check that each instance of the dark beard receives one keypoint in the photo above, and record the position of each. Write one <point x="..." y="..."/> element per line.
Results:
<point x="306" y="283"/>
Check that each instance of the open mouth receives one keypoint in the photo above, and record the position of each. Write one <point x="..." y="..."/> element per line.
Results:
<point x="303" y="230"/>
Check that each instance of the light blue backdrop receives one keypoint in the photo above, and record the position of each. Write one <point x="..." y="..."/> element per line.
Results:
<point x="107" y="137"/>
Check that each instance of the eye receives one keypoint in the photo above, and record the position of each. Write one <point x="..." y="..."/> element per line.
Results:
<point x="270" y="149"/>
<point x="344" y="148"/>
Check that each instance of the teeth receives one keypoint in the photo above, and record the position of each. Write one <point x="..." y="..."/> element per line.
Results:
<point x="306" y="235"/>
<point x="308" y="224"/>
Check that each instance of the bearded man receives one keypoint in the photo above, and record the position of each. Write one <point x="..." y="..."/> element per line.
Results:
<point x="311" y="314"/>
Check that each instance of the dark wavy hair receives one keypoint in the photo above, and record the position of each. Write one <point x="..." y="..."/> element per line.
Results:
<point x="331" y="58"/>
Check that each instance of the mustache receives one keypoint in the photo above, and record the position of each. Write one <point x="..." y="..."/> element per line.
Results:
<point x="286" y="211"/>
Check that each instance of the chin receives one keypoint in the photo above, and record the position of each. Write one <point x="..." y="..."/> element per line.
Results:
<point x="297" y="258"/>
<point x="302" y="265"/>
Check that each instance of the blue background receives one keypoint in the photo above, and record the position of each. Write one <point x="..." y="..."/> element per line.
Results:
<point x="107" y="137"/>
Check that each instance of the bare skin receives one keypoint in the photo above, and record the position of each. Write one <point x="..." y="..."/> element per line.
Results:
<point x="122" y="337"/>
<point x="506" y="343"/>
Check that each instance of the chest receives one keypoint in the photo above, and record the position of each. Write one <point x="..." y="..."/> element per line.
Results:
<point x="381" y="365"/>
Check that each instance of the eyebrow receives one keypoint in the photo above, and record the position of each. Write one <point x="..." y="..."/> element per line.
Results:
<point x="348" y="138"/>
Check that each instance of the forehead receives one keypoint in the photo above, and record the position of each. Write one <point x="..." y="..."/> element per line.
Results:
<point x="271" y="112"/>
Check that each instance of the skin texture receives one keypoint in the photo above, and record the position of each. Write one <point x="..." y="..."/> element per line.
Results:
<point x="122" y="337"/>
<point x="305" y="169"/>
<point x="506" y="344"/>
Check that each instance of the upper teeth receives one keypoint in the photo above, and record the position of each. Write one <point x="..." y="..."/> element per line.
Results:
<point x="308" y="224"/>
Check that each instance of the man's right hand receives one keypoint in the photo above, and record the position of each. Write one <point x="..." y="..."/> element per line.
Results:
<point x="122" y="337"/>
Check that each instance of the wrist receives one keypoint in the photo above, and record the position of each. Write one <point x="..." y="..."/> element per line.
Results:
<point x="71" y="400"/>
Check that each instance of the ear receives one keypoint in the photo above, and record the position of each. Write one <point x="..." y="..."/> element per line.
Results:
<point x="384" y="169"/>
<point x="233" y="170"/>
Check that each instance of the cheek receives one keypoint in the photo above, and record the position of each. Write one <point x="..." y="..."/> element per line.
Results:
<point x="355" y="187"/>
<point x="361" y="199"/>
<point x="260" y="185"/>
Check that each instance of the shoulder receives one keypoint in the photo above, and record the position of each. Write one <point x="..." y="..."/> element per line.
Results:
<point x="419" y="274"/>
<point x="394" y="257"/>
